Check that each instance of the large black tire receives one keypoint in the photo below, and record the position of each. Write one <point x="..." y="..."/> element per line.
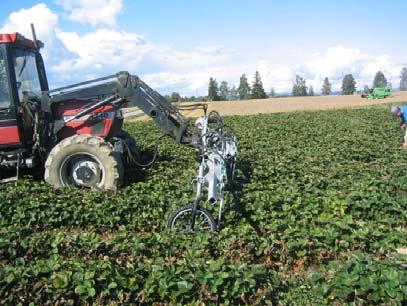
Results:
<point x="204" y="221"/>
<point x="84" y="160"/>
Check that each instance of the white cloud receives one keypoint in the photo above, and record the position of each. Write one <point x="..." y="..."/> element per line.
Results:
<point x="334" y="63"/>
<point x="44" y="20"/>
<point x="163" y="67"/>
<point x="278" y="77"/>
<point x="102" y="48"/>
<point x="193" y="58"/>
<point x="195" y="81"/>
<point x="93" y="12"/>
<point x="73" y="57"/>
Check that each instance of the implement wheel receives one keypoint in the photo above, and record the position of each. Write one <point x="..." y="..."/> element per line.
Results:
<point x="84" y="161"/>
<point x="180" y="220"/>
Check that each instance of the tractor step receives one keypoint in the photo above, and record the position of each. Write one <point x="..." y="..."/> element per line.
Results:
<point x="9" y="179"/>
<point x="17" y="172"/>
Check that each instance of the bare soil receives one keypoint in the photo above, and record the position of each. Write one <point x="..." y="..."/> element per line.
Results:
<point x="290" y="104"/>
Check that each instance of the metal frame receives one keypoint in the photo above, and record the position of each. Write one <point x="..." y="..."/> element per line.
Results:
<point x="126" y="89"/>
<point x="218" y="152"/>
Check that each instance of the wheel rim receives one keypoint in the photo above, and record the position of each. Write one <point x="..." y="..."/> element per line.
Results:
<point x="182" y="222"/>
<point x="82" y="169"/>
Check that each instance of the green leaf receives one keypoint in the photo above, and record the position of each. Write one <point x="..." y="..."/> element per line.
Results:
<point x="60" y="280"/>
<point x="112" y="285"/>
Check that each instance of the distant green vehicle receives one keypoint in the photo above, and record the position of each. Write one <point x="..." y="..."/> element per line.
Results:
<point x="377" y="93"/>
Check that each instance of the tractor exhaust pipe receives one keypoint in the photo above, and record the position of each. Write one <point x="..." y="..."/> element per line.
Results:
<point x="34" y="36"/>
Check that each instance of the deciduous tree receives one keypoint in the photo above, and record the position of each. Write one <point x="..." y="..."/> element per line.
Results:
<point x="348" y="85"/>
<point x="234" y="93"/>
<point x="244" y="88"/>
<point x="224" y="91"/>
<point x="379" y="80"/>
<point x="175" y="97"/>
<point x="213" y="90"/>
<point x="326" y="87"/>
<point x="299" y="86"/>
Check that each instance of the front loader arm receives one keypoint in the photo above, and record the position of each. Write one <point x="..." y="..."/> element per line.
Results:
<point x="125" y="89"/>
<point x="216" y="146"/>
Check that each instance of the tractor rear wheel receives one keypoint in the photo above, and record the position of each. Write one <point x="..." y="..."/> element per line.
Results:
<point x="85" y="161"/>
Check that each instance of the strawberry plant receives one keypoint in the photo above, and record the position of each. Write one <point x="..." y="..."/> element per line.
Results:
<point x="314" y="217"/>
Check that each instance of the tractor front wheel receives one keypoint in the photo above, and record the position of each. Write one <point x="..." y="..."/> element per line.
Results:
<point x="85" y="161"/>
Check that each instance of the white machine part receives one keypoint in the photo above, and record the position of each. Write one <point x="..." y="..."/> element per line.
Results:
<point x="219" y="153"/>
<point x="216" y="175"/>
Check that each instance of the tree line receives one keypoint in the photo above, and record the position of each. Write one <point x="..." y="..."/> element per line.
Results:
<point x="348" y="84"/>
<point x="245" y="91"/>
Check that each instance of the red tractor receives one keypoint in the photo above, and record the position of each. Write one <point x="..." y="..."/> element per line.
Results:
<point x="74" y="132"/>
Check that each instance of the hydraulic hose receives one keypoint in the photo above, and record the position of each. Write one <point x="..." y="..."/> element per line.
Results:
<point x="152" y="161"/>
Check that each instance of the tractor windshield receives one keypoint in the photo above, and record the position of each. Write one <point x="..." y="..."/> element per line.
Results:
<point x="26" y="73"/>
<point x="4" y="92"/>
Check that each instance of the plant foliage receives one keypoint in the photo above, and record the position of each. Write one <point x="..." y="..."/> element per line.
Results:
<point x="314" y="218"/>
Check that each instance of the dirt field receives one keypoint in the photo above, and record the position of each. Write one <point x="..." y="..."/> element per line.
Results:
<point x="277" y="105"/>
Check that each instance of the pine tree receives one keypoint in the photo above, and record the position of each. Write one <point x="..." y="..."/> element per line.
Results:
<point x="258" y="89"/>
<point x="272" y="92"/>
<point x="299" y="86"/>
<point x="380" y="80"/>
<point x="311" y="91"/>
<point x="326" y="88"/>
<point x="213" y="90"/>
<point x="223" y="91"/>
<point x="348" y="85"/>
<point x="244" y="88"/>
<point x="403" y="79"/>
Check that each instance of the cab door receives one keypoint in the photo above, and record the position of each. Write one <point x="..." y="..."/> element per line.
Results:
<point x="9" y="131"/>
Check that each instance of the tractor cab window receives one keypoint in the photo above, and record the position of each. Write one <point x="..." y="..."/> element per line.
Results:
<point x="4" y="92"/>
<point x="26" y="73"/>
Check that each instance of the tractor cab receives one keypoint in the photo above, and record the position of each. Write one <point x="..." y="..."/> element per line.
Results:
<point x="22" y="78"/>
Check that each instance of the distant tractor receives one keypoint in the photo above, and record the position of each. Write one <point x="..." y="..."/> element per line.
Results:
<point x="377" y="93"/>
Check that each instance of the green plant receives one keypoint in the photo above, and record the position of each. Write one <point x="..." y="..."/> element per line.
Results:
<point x="315" y="216"/>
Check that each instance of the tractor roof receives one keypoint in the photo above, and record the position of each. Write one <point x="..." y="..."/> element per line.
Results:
<point x="17" y="38"/>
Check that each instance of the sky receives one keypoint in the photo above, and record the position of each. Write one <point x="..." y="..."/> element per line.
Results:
<point x="178" y="45"/>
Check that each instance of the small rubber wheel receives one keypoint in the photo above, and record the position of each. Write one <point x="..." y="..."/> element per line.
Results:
<point x="180" y="220"/>
<point x="84" y="161"/>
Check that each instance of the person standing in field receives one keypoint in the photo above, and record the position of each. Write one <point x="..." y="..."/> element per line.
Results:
<point x="401" y="112"/>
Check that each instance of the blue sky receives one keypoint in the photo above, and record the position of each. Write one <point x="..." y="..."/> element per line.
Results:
<point x="177" y="45"/>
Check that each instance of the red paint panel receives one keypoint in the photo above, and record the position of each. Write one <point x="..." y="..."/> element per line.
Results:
<point x="9" y="135"/>
<point x="72" y="107"/>
<point x="8" y="38"/>
<point x="81" y="127"/>
<point x="16" y="38"/>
